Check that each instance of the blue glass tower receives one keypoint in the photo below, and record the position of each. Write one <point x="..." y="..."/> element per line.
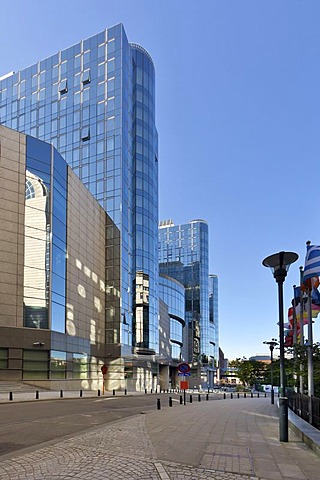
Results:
<point x="184" y="255"/>
<point x="95" y="102"/>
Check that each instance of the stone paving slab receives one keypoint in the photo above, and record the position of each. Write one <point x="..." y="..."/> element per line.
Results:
<point x="225" y="440"/>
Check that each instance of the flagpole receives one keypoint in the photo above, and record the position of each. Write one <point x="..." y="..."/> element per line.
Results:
<point x="310" y="347"/>
<point x="301" y="329"/>
<point x="294" y="338"/>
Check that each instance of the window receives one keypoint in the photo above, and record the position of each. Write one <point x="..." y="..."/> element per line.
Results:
<point x="35" y="364"/>
<point x="58" y="364"/>
<point x="3" y="358"/>
<point x="63" y="87"/>
<point x="85" y="134"/>
<point x="86" y="77"/>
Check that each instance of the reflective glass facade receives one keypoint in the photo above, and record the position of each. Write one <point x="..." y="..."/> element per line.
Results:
<point x="44" y="297"/>
<point x="183" y="255"/>
<point x="214" y="316"/>
<point x="95" y="102"/>
<point x="173" y="294"/>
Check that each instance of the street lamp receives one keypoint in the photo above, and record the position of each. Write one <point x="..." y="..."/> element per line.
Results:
<point x="273" y="343"/>
<point x="279" y="264"/>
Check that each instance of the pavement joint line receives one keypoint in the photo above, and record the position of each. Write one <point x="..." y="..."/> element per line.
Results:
<point x="161" y="471"/>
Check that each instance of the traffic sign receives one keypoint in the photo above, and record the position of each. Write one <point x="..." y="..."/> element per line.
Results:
<point x="104" y="369"/>
<point x="184" y="374"/>
<point x="184" y="367"/>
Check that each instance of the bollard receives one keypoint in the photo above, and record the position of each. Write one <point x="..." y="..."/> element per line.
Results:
<point x="258" y="395"/>
<point x="98" y="392"/>
<point x="265" y="394"/>
<point x="145" y="391"/>
<point x="245" y="395"/>
<point x="190" y="398"/>
<point x="184" y="397"/>
<point x="283" y="419"/>
<point x="272" y="397"/>
<point x="231" y="395"/>
<point x="199" y="397"/>
<point x="238" y="395"/>
<point x="80" y="393"/>
<point x="181" y="401"/>
<point x="170" y="401"/>
<point x="61" y="393"/>
<point x="151" y="390"/>
<point x="251" y="395"/>
<point x="37" y="394"/>
<point x="158" y="404"/>
<point x="224" y="395"/>
<point x="10" y="396"/>
<point x="207" y="396"/>
<point x="125" y="391"/>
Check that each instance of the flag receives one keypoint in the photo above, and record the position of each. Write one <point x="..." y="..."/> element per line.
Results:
<point x="312" y="262"/>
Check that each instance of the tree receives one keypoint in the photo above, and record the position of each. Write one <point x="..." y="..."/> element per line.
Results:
<point x="250" y="372"/>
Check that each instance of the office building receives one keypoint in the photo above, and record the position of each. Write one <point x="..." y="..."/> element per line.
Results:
<point x="53" y="291"/>
<point x="95" y="102"/>
<point x="184" y="256"/>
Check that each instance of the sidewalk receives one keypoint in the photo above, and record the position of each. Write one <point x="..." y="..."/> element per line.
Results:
<point x="234" y="439"/>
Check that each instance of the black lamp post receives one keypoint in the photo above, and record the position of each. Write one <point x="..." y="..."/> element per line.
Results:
<point x="279" y="264"/>
<point x="273" y="343"/>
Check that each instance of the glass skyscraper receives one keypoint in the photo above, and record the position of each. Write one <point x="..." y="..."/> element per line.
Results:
<point x="184" y="255"/>
<point x="95" y="102"/>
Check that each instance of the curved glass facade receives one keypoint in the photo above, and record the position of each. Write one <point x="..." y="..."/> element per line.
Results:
<point x="95" y="102"/>
<point x="183" y="255"/>
<point x="145" y="201"/>
<point x="173" y="294"/>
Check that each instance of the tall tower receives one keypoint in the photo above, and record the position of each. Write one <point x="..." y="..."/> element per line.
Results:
<point x="95" y="102"/>
<point x="184" y="255"/>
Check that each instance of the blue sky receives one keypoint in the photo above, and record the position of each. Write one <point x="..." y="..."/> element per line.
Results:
<point x="238" y="105"/>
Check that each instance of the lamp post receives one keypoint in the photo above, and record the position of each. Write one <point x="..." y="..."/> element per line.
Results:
<point x="273" y="343"/>
<point x="279" y="264"/>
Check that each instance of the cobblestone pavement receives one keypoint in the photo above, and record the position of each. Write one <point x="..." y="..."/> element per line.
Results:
<point x="119" y="451"/>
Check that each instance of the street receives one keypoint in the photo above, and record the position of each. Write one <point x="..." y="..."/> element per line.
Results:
<point x="26" y="424"/>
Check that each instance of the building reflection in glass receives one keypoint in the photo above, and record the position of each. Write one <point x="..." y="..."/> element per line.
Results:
<point x="36" y="252"/>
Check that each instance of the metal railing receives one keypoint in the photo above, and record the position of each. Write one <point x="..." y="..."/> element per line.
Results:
<point x="307" y="408"/>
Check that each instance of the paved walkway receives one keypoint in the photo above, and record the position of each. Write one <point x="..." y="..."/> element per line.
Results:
<point x="222" y="440"/>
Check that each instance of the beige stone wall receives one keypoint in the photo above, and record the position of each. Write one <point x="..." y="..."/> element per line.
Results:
<point x="12" y="197"/>
<point x="85" y="264"/>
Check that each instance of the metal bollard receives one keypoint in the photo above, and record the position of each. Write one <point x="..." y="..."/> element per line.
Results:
<point x="61" y="393"/>
<point x="113" y="392"/>
<point x="170" y="401"/>
<point x="238" y="395"/>
<point x="145" y="391"/>
<point x="283" y="419"/>
<point x="190" y="398"/>
<point x="151" y="390"/>
<point x="158" y="404"/>
<point x="37" y="394"/>
<point x="199" y="397"/>
<point x="207" y="396"/>
<point x="258" y="395"/>
<point x="265" y="394"/>
<point x="181" y="401"/>
<point x="224" y="395"/>
<point x="251" y="395"/>
<point x="245" y="395"/>
<point x="10" y="396"/>
<point x="98" y="392"/>
<point x="231" y="395"/>
<point x="272" y="397"/>
<point x="125" y="391"/>
<point x="80" y="393"/>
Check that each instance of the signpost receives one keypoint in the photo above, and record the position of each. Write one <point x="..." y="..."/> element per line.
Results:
<point x="184" y="370"/>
